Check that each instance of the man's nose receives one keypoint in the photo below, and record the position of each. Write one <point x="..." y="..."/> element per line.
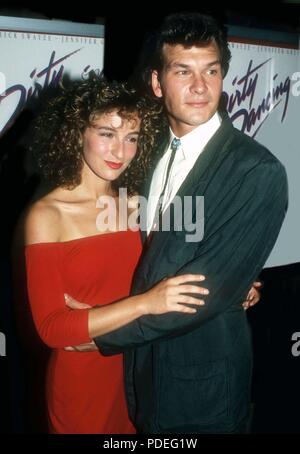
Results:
<point x="198" y="85"/>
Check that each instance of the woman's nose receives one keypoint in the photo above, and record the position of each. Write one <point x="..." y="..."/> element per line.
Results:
<point x="118" y="150"/>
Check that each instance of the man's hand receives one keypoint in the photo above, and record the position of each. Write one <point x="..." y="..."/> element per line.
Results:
<point x="90" y="346"/>
<point x="253" y="296"/>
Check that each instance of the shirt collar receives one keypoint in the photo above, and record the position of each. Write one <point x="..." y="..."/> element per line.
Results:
<point x="199" y="136"/>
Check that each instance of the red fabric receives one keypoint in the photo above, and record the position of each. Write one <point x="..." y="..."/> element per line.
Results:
<point x="85" y="391"/>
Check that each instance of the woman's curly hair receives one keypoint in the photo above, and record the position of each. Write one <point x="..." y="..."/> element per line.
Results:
<point x="57" y="145"/>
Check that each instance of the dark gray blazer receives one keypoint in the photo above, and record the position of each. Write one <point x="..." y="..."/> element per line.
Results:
<point x="192" y="372"/>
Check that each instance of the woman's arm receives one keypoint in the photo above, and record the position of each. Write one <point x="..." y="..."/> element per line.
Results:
<point x="57" y="325"/>
<point x="169" y="295"/>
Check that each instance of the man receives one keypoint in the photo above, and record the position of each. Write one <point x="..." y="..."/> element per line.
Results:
<point x="192" y="374"/>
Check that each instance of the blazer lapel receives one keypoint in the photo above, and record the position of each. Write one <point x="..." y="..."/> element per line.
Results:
<point x="204" y="167"/>
<point x="201" y="173"/>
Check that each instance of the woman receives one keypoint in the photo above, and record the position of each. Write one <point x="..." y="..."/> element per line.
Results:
<point x="87" y="148"/>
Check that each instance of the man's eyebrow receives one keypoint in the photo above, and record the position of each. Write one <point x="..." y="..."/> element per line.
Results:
<point x="177" y="65"/>
<point x="212" y="63"/>
<point x="186" y="66"/>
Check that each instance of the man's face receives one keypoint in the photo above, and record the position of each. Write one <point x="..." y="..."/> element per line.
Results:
<point x="191" y="85"/>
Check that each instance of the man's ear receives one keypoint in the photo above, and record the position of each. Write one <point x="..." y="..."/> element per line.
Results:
<point x="156" y="84"/>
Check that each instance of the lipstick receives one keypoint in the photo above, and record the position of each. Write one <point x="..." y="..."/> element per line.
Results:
<point x="114" y="165"/>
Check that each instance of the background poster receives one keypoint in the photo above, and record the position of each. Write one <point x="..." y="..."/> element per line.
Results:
<point x="37" y="54"/>
<point x="263" y="100"/>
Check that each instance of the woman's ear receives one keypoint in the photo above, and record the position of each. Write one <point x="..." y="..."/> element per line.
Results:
<point x="80" y="138"/>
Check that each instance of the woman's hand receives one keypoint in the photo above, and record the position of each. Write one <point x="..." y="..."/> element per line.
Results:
<point x="173" y="295"/>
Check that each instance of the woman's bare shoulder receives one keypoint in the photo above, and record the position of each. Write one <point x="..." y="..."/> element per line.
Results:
<point x="41" y="221"/>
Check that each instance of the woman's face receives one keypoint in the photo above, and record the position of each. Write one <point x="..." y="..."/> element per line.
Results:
<point x="110" y="144"/>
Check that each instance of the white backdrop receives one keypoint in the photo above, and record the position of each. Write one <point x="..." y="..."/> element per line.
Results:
<point x="264" y="101"/>
<point x="37" y="54"/>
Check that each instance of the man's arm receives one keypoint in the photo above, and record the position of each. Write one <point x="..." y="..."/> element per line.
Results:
<point x="235" y="248"/>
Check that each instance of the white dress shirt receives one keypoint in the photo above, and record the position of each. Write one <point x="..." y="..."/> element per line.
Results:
<point x="192" y="145"/>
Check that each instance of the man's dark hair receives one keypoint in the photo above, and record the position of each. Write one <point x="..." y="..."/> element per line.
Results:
<point x="188" y="29"/>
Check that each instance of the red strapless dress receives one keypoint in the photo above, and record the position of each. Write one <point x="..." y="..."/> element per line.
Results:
<point x="85" y="391"/>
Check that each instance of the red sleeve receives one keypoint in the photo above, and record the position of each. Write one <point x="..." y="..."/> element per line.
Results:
<point x="57" y="325"/>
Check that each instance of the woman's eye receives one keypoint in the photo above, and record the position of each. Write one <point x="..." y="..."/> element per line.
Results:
<point x="106" y="134"/>
<point x="132" y="139"/>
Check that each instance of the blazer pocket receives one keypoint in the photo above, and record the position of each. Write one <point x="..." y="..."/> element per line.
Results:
<point x="194" y="395"/>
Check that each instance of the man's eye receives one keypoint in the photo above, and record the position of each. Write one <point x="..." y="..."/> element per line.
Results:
<point x="212" y="72"/>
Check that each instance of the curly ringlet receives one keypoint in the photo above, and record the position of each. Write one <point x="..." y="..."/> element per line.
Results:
<point x="57" y="145"/>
